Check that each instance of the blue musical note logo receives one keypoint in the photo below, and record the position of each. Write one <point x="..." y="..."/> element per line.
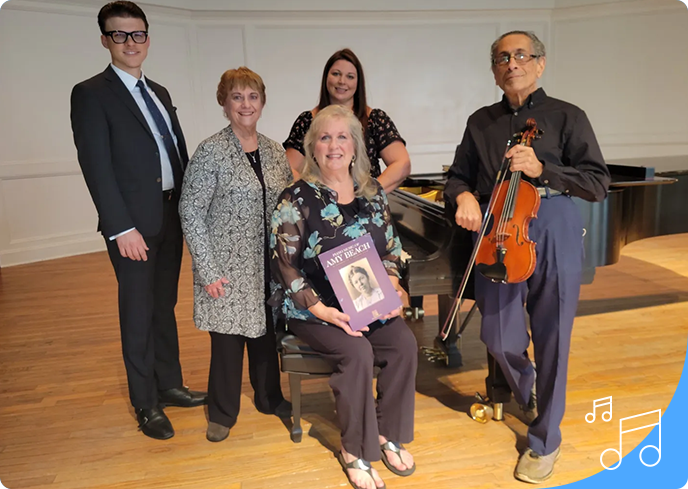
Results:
<point x="657" y="448"/>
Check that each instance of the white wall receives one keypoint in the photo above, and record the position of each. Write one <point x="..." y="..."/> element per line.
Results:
<point x="426" y="66"/>
<point x="627" y="68"/>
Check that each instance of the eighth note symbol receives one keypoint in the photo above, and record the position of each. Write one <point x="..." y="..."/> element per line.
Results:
<point x="606" y="416"/>
<point x="657" y="448"/>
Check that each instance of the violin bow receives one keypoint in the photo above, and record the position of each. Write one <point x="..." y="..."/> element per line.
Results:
<point x="456" y="306"/>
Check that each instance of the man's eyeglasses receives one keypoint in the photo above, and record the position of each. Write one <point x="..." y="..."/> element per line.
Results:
<point x="120" y="37"/>
<point x="520" y="58"/>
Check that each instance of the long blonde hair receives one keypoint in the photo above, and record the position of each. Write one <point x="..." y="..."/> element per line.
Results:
<point x="360" y="170"/>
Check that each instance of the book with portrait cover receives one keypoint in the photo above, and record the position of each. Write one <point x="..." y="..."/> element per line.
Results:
<point x="360" y="281"/>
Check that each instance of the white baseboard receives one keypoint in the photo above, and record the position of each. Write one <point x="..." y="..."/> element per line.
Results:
<point x="51" y="250"/>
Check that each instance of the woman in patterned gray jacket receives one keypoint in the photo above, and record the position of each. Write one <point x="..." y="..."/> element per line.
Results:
<point x="230" y="187"/>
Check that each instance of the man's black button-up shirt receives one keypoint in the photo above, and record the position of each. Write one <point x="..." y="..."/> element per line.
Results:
<point x="571" y="157"/>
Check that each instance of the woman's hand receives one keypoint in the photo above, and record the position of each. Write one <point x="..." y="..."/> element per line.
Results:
<point x="336" y="317"/>
<point x="396" y="312"/>
<point x="216" y="289"/>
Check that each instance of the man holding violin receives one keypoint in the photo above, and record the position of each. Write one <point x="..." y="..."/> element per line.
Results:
<point x="565" y="161"/>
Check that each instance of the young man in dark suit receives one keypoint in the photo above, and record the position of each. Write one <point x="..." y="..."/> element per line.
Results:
<point x="132" y="153"/>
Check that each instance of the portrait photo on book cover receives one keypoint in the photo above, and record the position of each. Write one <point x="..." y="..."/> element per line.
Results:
<point x="361" y="284"/>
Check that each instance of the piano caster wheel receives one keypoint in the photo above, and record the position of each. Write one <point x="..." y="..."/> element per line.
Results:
<point x="435" y="354"/>
<point x="484" y="410"/>
<point x="413" y="313"/>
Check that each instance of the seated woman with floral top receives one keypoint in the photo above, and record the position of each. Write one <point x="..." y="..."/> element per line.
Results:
<point x="337" y="201"/>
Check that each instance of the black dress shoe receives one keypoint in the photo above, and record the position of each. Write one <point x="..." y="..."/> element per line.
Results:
<point x="154" y="423"/>
<point x="282" y="411"/>
<point x="182" y="397"/>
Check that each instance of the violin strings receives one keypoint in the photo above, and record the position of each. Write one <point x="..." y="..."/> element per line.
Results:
<point x="507" y="207"/>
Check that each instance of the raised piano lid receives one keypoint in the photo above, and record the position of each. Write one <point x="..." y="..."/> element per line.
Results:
<point x="427" y="236"/>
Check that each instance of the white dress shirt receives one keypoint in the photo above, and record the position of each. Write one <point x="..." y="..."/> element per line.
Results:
<point x="165" y="164"/>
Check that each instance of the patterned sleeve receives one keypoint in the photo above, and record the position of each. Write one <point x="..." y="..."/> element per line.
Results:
<point x="392" y="259"/>
<point x="298" y="132"/>
<point x="198" y="190"/>
<point x="280" y="155"/>
<point x="286" y="247"/>
<point x="383" y="130"/>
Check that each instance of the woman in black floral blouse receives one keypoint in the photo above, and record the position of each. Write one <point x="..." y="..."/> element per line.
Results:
<point x="343" y="83"/>
<point x="337" y="201"/>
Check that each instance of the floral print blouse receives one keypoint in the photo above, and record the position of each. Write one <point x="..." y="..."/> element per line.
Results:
<point x="380" y="132"/>
<point x="309" y="221"/>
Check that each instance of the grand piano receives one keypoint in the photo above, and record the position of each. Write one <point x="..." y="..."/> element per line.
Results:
<point x="642" y="203"/>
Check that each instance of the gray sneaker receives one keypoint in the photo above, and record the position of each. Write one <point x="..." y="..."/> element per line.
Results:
<point x="536" y="468"/>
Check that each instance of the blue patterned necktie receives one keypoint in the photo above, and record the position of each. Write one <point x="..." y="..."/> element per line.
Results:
<point x="165" y="133"/>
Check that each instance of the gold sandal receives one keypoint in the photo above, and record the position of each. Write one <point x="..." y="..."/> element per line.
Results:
<point x="359" y="464"/>
<point x="396" y="448"/>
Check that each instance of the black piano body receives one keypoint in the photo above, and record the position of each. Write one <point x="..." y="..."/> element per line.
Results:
<point x="641" y="203"/>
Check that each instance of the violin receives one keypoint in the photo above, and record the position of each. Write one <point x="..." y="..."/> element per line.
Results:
<point x="505" y="253"/>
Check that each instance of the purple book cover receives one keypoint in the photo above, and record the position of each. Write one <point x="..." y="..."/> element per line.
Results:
<point x="360" y="281"/>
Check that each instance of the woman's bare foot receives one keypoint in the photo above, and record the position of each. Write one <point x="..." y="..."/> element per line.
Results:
<point x="359" y="477"/>
<point x="406" y="461"/>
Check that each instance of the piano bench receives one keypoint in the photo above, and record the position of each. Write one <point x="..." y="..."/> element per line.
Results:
<point x="299" y="360"/>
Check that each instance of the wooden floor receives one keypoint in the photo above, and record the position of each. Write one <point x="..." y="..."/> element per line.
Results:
<point x="65" y="420"/>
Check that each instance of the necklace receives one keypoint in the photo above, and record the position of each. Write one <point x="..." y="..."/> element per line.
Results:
<point x="252" y="156"/>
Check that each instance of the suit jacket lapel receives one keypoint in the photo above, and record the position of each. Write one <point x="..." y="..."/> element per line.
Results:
<point x="125" y="96"/>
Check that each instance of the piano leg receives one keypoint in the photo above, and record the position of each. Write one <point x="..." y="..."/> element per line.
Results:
<point x="449" y="346"/>
<point x="498" y="392"/>
<point x="497" y="387"/>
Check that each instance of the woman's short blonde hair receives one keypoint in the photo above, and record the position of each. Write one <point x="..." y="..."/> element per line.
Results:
<point x="241" y="77"/>
<point x="360" y="170"/>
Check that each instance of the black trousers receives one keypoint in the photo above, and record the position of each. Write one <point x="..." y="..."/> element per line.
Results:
<point x="147" y="297"/>
<point x="393" y="348"/>
<point x="226" y="366"/>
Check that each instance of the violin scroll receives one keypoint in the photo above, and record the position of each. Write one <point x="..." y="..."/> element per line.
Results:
<point x="530" y="133"/>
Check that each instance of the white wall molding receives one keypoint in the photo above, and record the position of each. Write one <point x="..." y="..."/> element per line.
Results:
<point x="330" y="7"/>
<point x="15" y="170"/>
<point x="87" y="8"/>
<point x="362" y="18"/>
<point x="296" y="18"/>
<point x="49" y="249"/>
<point x="319" y="12"/>
<point x="642" y="139"/>
<point x="617" y="9"/>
